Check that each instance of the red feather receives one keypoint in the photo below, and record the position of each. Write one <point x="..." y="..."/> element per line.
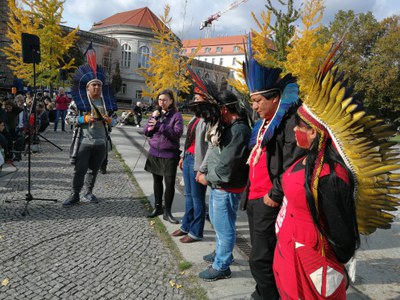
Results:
<point x="91" y="58"/>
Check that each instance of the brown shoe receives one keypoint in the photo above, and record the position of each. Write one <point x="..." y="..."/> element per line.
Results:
<point x="179" y="233"/>
<point x="187" y="239"/>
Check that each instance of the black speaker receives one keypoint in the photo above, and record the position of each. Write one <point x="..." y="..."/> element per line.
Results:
<point x="63" y="74"/>
<point x="30" y="48"/>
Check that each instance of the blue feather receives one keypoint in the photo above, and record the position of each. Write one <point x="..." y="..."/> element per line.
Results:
<point x="80" y="79"/>
<point x="259" y="78"/>
<point x="288" y="100"/>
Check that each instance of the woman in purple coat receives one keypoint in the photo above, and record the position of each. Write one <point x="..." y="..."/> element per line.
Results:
<point x="164" y="129"/>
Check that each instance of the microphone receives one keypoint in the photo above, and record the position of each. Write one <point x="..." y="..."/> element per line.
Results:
<point x="159" y="109"/>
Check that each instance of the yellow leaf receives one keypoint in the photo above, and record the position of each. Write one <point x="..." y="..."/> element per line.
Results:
<point x="152" y="223"/>
<point x="183" y="273"/>
<point x="5" y="282"/>
<point x="1" y="237"/>
<point x="172" y="283"/>
<point x="178" y="286"/>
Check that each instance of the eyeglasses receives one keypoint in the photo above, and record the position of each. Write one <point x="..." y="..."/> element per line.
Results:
<point x="163" y="100"/>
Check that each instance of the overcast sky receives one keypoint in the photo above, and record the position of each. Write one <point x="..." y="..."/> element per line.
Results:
<point x="234" y="22"/>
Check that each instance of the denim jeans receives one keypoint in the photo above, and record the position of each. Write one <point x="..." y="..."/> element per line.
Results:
<point x="62" y="114"/>
<point x="195" y="205"/>
<point x="223" y="212"/>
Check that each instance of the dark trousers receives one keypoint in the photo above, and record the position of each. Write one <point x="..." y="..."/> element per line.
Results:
<point x="263" y="240"/>
<point x="159" y="190"/>
<point x="88" y="162"/>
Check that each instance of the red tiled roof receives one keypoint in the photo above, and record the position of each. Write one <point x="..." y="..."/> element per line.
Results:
<point x="227" y="43"/>
<point x="142" y="17"/>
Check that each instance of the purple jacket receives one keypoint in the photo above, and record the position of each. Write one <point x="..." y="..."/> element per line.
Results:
<point x="164" y="138"/>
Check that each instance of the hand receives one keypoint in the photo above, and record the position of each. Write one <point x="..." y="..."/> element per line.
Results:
<point x="202" y="179"/>
<point x="198" y="175"/>
<point x="89" y="119"/>
<point x="152" y="122"/>
<point x="107" y="119"/>
<point x="155" y="114"/>
<point x="180" y="164"/>
<point x="268" y="201"/>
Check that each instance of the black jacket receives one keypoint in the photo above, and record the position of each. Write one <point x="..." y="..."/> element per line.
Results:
<point x="282" y="152"/>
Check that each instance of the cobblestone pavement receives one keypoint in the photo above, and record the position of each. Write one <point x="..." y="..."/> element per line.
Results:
<point x="92" y="251"/>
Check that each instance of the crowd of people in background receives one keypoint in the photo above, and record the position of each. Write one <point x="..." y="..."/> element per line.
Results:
<point x="17" y="120"/>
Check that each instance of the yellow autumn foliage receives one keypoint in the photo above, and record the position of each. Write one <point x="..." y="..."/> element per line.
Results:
<point x="306" y="51"/>
<point x="167" y="68"/>
<point x="41" y="18"/>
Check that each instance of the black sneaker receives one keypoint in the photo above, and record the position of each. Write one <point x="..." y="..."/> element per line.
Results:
<point x="210" y="274"/>
<point x="103" y="171"/>
<point x="89" y="197"/>
<point x="73" y="199"/>
<point x="209" y="257"/>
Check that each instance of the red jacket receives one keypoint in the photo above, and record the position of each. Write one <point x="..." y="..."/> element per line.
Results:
<point x="62" y="102"/>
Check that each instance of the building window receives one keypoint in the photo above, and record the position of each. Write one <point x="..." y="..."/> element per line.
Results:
<point x="207" y="50"/>
<point x="213" y="60"/>
<point x="123" y="89"/>
<point x="205" y="59"/>
<point x="143" y="57"/>
<point x="183" y="52"/>
<point x="221" y="61"/>
<point x="139" y="94"/>
<point x="107" y="61"/>
<point x="219" y="49"/>
<point x="126" y="56"/>
<point x="233" y="61"/>
<point x="235" y="49"/>
<point x="193" y="51"/>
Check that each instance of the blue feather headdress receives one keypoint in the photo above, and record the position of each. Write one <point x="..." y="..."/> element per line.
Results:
<point x="261" y="80"/>
<point x="83" y="76"/>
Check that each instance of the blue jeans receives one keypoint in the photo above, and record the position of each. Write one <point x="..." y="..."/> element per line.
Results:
<point x="195" y="204"/>
<point x="223" y="212"/>
<point x="62" y="114"/>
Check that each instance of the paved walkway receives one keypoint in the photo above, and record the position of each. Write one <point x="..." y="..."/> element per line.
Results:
<point x="110" y="251"/>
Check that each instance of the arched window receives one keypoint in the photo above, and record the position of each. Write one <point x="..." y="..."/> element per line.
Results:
<point x="126" y="56"/>
<point x="143" y="57"/>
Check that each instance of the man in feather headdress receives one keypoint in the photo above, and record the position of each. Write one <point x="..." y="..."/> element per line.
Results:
<point x="89" y="113"/>
<point x="273" y="145"/>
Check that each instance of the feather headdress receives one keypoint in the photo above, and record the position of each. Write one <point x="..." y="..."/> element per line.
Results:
<point x="361" y="140"/>
<point x="86" y="74"/>
<point x="261" y="80"/>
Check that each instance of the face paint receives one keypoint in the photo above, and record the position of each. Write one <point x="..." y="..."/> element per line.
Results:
<point x="301" y="138"/>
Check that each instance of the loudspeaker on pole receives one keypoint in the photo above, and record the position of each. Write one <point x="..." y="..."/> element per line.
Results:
<point x="30" y="48"/>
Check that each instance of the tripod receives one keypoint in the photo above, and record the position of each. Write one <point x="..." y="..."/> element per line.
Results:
<point x="28" y="195"/>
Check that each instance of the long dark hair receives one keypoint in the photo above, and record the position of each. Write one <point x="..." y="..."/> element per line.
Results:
<point x="331" y="157"/>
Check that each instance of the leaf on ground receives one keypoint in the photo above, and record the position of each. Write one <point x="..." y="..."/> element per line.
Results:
<point x="172" y="283"/>
<point x="152" y="223"/>
<point x="5" y="282"/>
